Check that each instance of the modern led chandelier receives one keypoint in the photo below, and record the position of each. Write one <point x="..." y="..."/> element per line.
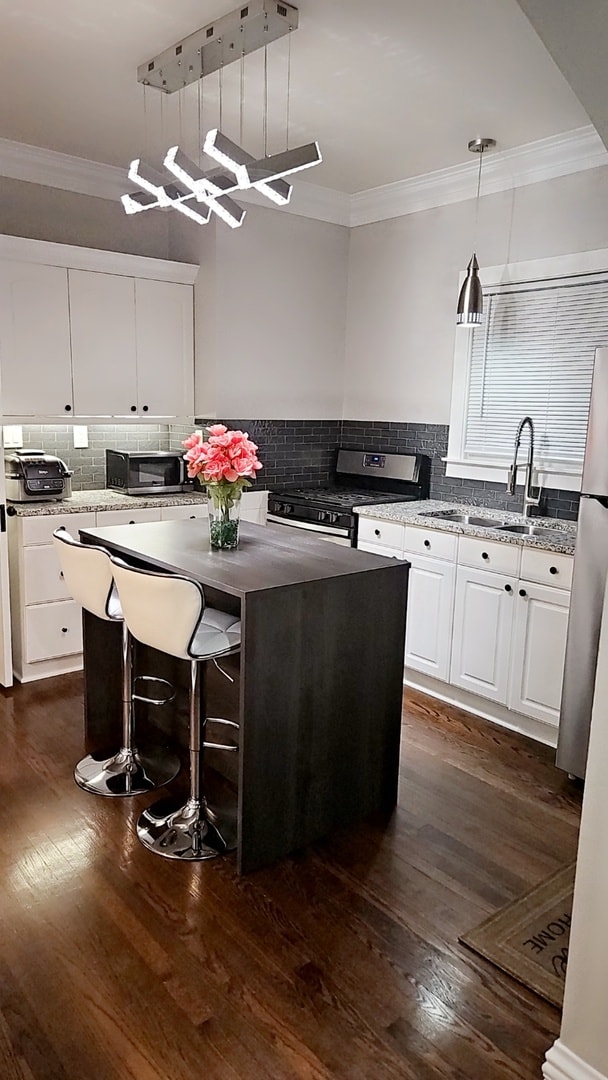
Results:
<point x="186" y="186"/>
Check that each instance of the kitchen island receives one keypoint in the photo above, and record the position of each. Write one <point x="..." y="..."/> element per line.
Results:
<point x="321" y="673"/>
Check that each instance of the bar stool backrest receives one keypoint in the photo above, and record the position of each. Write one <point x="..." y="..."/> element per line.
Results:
<point x="87" y="572"/>
<point x="160" y="610"/>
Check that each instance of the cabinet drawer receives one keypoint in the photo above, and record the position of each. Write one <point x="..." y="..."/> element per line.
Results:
<point x="127" y="517"/>
<point x="385" y="533"/>
<point x="53" y="630"/>
<point x="379" y="549"/>
<point x="184" y="513"/>
<point x="39" y="530"/>
<point x="422" y="541"/>
<point x="489" y="555"/>
<point x="43" y="579"/>
<point x="547" y="568"/>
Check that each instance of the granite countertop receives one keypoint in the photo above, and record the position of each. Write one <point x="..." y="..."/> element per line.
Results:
<point x="560" y="535"/>
<point x="102" y="499"/>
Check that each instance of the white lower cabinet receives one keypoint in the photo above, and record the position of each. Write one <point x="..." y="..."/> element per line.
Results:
<point x="483" y="621"/>
<point x="428" y="636"/>
<point x="539" y="649"/>
<point x="485" y="617"/>
<point x="46" y="624"/>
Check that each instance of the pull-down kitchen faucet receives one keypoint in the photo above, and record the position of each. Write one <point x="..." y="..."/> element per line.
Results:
<point x="529" y="499"/>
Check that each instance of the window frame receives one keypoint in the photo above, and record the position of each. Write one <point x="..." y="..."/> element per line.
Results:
<point x="536" y="270"/>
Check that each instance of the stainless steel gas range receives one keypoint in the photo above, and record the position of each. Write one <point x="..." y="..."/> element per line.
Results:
<point x="361" y="478"/>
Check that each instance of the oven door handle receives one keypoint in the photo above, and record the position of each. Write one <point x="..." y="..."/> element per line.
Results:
<point x="309" y="526"/>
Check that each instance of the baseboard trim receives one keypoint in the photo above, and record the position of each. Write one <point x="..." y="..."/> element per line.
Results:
<point x="563" y="1064"/>
<point x="483" y="707"/>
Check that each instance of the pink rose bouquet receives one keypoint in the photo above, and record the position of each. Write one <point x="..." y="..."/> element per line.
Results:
<point x="224" y="462"/>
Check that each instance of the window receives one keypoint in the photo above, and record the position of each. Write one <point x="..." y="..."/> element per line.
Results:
<point x="532" y="356"/>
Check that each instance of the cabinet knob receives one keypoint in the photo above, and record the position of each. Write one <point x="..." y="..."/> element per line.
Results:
<point x="509" y="588"/>
<point x="427" y="543"/>
<point x="485" y="555"/>
<point x="553" y="570"/>
<point x="61" y="574"/>
<point x="522" y="592"/>
<point x="132" y="522"/>
<point x="68" y="408"/>
<point x="145" y="408"/>
<point x="376" y="532"/>
<point x="64" y="629"/>
<point x="133" y="408"/>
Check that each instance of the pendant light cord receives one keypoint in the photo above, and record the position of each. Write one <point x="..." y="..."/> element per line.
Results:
<point x="475" y="230"/>
<point x="265" y="101"/>
<point x="288" y="87"/>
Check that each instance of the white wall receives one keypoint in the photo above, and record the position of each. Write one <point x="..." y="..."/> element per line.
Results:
<point x="65" y="217"/>
<point x="403" y="286"/>
<point x="271" y="315"/>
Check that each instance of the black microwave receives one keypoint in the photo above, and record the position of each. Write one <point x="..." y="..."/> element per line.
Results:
<point x="145" y="472"/>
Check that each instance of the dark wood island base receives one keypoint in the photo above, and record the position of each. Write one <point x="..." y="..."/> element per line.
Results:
<point x="321" y="674"/>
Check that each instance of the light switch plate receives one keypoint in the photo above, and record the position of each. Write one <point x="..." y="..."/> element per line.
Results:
<point x="81" y="436"/>
<point x="13" y="436"/>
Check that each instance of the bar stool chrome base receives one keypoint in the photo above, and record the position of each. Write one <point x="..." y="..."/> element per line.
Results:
<point x="185" y="830"/>
<point x="129" y="772"/>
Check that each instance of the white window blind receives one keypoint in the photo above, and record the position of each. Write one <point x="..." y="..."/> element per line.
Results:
<point x="534" y="357"/>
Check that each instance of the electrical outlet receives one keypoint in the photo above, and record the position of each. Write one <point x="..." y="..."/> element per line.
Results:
<point x="13" y="436"/>
<point x="81" y="436"/>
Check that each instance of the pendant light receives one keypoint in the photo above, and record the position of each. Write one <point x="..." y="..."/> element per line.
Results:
<point x="470" y="302"/>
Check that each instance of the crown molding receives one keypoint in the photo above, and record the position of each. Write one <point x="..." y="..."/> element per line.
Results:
<point x="545" y="159"/>
<point x="562" y="1064"/>
<point x="556" y="156"/>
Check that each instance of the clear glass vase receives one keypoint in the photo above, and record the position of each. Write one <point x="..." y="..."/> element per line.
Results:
<point x="224" y="504"/>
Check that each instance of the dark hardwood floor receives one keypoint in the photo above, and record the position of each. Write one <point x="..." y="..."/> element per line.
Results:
<point x="341" y="961"/>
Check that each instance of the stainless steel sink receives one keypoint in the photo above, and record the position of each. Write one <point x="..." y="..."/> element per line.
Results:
<point x="532" y="530"/>
<point x="462" y="519"/>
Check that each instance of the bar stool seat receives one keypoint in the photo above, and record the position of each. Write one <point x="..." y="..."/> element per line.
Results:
<point x="168" y="613"/>
<point x="87" y="571"/>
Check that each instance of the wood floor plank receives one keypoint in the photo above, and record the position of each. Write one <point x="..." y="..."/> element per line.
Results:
<point x="342" y="962"/>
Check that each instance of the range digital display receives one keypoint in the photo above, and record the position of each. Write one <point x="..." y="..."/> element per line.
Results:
<point x="374" y="461"/>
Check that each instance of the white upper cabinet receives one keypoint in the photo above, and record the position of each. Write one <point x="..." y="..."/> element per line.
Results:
<point x="94" y="334"/>
<point x="35" y="340"/>
<point x="104" y="352"/>
<point x="165" y="348"/>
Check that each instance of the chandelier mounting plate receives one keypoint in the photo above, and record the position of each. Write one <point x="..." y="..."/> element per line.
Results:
<point x="249" y="27"/>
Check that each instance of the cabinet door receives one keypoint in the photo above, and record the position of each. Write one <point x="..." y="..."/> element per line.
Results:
<point x="430" y="603"/>
<point x="35" y="340"/>
<point x="102" y="319"/>
<point x="539" y="649"/>
<point x="165" y="351"/>
<point x="483" y="617"/>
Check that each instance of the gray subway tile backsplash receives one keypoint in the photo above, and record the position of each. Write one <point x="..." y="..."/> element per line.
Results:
<point x="293" y="452"/>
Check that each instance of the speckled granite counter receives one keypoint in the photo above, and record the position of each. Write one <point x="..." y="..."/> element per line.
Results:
<point x="560" y="535"/>
<point x="102" y="499"/>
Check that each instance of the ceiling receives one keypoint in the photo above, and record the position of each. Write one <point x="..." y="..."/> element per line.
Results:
<point x="391" y="89"/>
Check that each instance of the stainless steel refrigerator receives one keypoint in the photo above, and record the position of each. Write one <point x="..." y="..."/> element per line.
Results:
<point x="588" y="585"/>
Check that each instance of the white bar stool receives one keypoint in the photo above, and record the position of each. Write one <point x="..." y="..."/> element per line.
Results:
<point x="168" y="613"/>
<point x="87" y="572"/>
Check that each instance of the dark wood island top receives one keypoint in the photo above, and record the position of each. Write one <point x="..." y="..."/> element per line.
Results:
<point x="321" y="672"/>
